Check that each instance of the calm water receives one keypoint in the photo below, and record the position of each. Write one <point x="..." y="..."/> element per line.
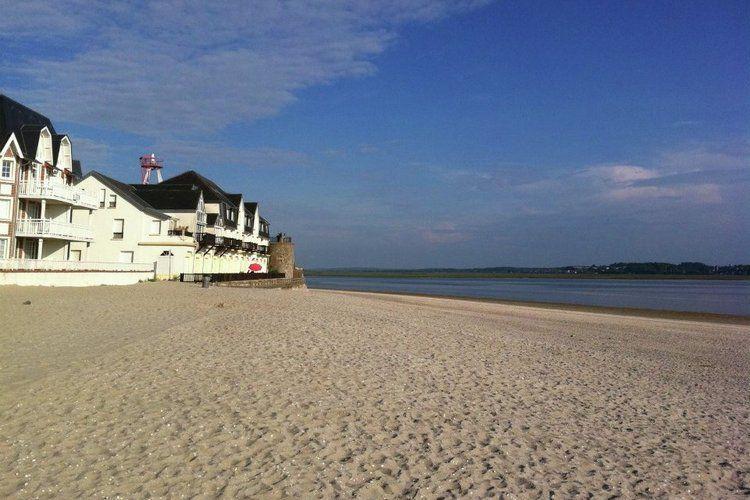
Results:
<point x="726" y="297"/>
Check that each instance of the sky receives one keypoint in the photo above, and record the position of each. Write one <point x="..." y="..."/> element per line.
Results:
<point x="418" y="133"/>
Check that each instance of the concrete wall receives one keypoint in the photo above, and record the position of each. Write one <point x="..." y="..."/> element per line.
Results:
<point x="73" y="278"/>
<point x="266" y="283"/>
<point x="281" y="258"/>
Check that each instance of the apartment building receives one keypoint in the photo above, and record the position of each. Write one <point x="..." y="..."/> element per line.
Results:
<point x="37" y="190"/>
<point x="59" y="228"/>
<point x="235" y="238"/>
<point x="186" y="224"/>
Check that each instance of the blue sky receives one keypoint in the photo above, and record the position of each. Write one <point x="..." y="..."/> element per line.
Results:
<point x="420" y="133"/>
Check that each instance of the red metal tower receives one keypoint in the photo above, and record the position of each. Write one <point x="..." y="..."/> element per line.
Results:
<point x="149" y="163"/>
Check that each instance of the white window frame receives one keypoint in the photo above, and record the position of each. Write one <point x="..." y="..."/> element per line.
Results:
<point x="46" y="137"/>
<point x="124" y="253"/>
<point x="151" y="227"/>
<point x="11" y="166"/>
<point x="115" y="233"/>
<point x="112" y="201"/>
<point x="4" y="242"/>
<point x="103" y="200"/>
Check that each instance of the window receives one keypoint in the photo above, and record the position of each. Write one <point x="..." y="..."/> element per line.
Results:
<point x="118" y="229"/>
<point x="48" y="148"/>
<point x="75" y="255"/>
<point x="3" y="248"/>
<point x="4" y="209"/>
<point x="112" y="201"/>
<point x="155" y="227"/>
<point x="102" y="198"/>
<point x="7" y="169"/>
<point x="126" y="256"/>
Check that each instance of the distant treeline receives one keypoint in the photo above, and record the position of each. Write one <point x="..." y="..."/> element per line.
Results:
<point x="616" y="269"/>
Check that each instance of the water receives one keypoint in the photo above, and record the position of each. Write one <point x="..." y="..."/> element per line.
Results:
<point x="712" y="296"/>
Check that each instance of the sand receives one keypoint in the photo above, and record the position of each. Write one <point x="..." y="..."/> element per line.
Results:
<point x="167" y="389"/>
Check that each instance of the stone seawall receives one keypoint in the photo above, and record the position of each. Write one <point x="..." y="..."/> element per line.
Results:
<point x="266" y="283"/>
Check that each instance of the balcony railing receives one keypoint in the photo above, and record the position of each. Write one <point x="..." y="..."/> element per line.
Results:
<point x="47" y="228"/>
<point x="72" y="265"/>
<point x="59" y="192"/>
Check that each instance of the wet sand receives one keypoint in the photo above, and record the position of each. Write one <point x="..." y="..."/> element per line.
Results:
<point x="167" y="389"/>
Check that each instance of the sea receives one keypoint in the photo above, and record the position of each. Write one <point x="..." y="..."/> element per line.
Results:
<point x="704" y="296"/>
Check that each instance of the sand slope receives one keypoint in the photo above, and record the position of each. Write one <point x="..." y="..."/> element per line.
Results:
<point x="169" y="389"/>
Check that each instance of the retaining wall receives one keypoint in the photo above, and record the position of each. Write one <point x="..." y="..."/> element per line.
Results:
<point x="269" y="283"/>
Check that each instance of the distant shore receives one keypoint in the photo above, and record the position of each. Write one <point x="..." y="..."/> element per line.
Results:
<point x="387" y="274"/>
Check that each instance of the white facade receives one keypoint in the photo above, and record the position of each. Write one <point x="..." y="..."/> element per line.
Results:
<point x="124" y="232"/>
<point x="37" y="199"/>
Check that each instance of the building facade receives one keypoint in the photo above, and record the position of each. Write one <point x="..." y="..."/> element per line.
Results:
<point x="37" y="189"/>
<point x="186" y="224"/>
<point x="56" y="225"/>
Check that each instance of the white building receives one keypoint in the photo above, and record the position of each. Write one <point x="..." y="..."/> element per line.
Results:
<point x="37" y="195"/>
<point x="37" y="199"/>
<point x="186" y="224"/>
<point x="59" y="229"/>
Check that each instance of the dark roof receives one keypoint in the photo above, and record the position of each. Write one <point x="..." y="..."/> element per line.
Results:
<point x="28" y="137"/>
<point x="56" y="140"/>
<point x="236" y="199"/>
<point x="169" y="196"/>
<point x="77" y="171"/>
<point x="14" y="115"/>
<point x="212" y="193"/>
<point x="127" y="192"/>
<point x="263" y="220"/>
<point x="251" y="207"/>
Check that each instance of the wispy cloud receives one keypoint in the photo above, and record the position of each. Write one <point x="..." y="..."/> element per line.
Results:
<point x="169" y="67"/>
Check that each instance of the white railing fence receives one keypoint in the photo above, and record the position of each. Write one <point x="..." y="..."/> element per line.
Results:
<point x="57" y="191"/>
<point x="71" y="265"/>
<point x="53" y="229"/>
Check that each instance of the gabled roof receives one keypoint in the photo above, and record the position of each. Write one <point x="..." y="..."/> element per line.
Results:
<point x="212" y="193"/>
<point x="77" y="171"/>
<point x="236" y="199"/>
<point x="127" y="192"/>
<point x="14" y="115"/>
<point x="56" y="141"/>
<point x="28" y="137"/>
<point x="169" y="196"/>
<point x="251" y="207"/>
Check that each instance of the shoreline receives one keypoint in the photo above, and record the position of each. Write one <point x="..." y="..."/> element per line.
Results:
<point x="504" y="276"/>
<point x="704" y="317"/>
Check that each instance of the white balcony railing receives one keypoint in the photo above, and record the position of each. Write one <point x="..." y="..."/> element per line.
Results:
<point x="71" y="265"/>
<point x="57" y="191"/>
<point x="47" y="228"/>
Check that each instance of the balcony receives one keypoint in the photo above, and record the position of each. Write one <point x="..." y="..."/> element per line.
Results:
<point x="64" y="193"/>
<point x="47" y="228"/>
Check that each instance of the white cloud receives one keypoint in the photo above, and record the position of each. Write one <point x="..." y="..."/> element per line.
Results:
<point x="169" y="67"/>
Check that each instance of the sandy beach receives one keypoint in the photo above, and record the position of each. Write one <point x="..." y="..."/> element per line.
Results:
<point x="167" y="389"/>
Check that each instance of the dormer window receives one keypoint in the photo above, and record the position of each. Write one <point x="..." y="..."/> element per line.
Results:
<point x="45" y="138"/>
<point x="65" y="157"/>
